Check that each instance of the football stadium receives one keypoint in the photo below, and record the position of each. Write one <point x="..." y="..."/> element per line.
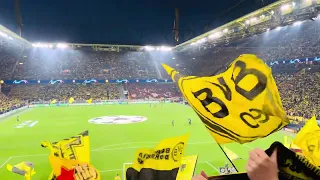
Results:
<point x="100" y="110"/>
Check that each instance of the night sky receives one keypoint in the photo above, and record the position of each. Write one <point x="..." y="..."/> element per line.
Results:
<point x="138" y="22"/>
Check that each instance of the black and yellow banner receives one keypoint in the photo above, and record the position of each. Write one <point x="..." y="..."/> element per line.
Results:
<point x="161" y="162"/>
<point x="25" y="169"/>
<point x="291" y="166"/>
<point x="308" y="139"/>
<point x="238" y="105"/>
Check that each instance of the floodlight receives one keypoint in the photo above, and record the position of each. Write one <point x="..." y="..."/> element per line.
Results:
<point x="62" y="45"/>
<point x="285" y="7"/>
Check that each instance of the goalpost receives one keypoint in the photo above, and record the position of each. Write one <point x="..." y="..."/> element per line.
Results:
<point x="124" y="169"/>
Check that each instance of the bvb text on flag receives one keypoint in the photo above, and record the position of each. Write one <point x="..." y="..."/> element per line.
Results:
<point x="238" y="105"/>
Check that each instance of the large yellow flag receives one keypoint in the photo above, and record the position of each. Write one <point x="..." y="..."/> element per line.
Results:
<point x="308" y="139"/>
<point x="25" y="169"/>
<point x="73" y="148"/>
<point x="71" y="100"/>
<point x="238" y="105"/>
<point x="165" y="156"/>
<point x="73" y="169"/>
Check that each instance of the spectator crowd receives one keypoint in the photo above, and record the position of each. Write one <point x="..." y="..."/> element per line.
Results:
<point x="298" y="84"/>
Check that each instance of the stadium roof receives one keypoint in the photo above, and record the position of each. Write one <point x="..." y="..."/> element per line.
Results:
<point x="263" y="16"/>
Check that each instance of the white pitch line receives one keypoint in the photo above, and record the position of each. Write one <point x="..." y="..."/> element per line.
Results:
<point x="6" y="162"/>
<point x="212" y="166"/>
<point x="107" y="149"/>
<point x="110" y="170"/>
<point x="103" y="147"/>
<point x="248" y="146"/>
<point x="110" y="149"/>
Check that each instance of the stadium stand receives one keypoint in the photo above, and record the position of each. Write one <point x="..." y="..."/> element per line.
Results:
<point x="297" y="82"/>
<point x="62" y="92"/>
<point x="153" y="91"/>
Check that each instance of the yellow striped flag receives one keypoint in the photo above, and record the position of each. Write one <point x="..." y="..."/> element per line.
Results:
<point x="238" y="105"/>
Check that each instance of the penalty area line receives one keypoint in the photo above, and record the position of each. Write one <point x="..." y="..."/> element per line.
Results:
<point x="6" y="161"/>
<point x="110" y="170"/>
<point x="212" y="166"/>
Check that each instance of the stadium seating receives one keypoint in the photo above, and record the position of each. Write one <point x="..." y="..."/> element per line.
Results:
<point x="62" y="92"/>
<point x="298" y="83"/>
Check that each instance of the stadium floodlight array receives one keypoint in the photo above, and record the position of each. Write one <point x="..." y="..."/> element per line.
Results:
<point x="160" y="48"/>
<point x="42" y="45"/>
<point x="5" y="35"/>
<point x="62" y="45"/>
<point x="215" y="35"/>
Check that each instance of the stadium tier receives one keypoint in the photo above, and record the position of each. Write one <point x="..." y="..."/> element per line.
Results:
<point x="68" y="86"/>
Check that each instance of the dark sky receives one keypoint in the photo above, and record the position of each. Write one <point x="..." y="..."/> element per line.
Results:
<point x="120" y="21"/>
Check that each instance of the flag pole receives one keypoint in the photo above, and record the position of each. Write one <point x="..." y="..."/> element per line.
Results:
<point x="228" y="157"/>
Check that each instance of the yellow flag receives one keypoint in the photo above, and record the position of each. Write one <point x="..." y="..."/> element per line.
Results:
<point x="308" y="139"/>
<point x="81" y="170"/>
<point x="187" y="167"/>
<point x="165" y="156"/>
<point x="89" y="101"/>
<point x="231" y="155"/>
<point x="71" y="100"/>
<point x="238" y="105"/>
<point x="53" y="101"/>
<point x="73" y="148"/>
<point x="25" y="169"/>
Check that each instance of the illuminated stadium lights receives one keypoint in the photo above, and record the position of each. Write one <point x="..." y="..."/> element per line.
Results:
<point x="268" y="29"/>
<point x="42" y="45"/>
<point x="225" y="30"/>
<point x="162" y="48"/>
<point x="21" y="63"/>
<point x="193" y="43"/>
<point x="149" y="48"/>
<point x="253" y="19"/>
<point x="285" y="7"/>
<point x="5" y="35"/>
<point x="278" y="28"/>
<point x="293" y="4"/>
<point x="272" y="12"/>
<point x="215" y="35"/>
<point x="297" y="23"/>
<point x="165" y="48"/>
<point x="247" y="22"/>
<point x="201" y="41"/>
<point x="262" y="16"/>
<point x="62" y="45"/>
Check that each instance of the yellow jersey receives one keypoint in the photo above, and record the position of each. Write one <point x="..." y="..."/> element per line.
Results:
<point x="117" y="178"/>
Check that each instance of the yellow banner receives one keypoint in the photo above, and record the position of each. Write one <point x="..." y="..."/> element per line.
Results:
<point x="308" y="139"/>
<point x="187" y="167"/>
<point x="238" y="105"/>
<point x="165" y="156"/>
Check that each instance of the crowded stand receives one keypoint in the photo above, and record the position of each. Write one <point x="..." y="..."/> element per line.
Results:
<point x="62" y="92"/>
<point x="297" y="82"/>
<point x="8" y="104"/>
<point x="153" y="91"/>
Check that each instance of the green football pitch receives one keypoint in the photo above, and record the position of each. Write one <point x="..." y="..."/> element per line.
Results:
<point x="112" y="145"/>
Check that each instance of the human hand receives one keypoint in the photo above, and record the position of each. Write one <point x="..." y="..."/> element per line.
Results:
<point x="262" y="167"/>
<point x="201" y="176"/>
